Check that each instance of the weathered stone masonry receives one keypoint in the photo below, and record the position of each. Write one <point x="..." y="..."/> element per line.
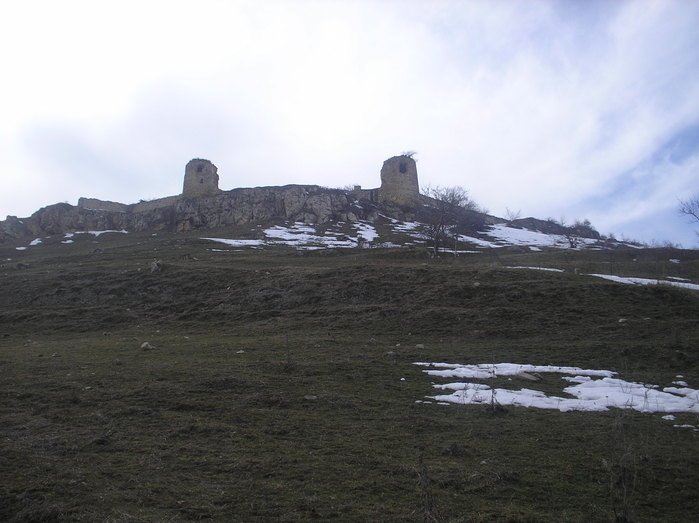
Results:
<point x="203" y="205"/>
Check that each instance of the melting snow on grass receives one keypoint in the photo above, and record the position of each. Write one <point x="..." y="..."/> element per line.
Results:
<point x="504" y="235"/>
<point x="588" y="389"/>
<point x="236" y="243"/>
<point x="412" y="229"/>
<point x="478" y="242"/>
<point x="99" y="233"/>
<point x="366" y="231"/>
<point x="304" y="237"/>
<point x="537" y="268"/>
<point x="647" y="281"/>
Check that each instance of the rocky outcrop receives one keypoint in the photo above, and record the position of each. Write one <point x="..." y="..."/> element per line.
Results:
<point x="309" y="204"/>
<point x="203" y="204"/>
<point x="306" y="203"/>
<point x="13" y="227"/>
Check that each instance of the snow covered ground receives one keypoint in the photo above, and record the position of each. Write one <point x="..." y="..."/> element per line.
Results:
<point x="524" y="237"/>
<point x="500" y="235"/>
<point x="590" y="390"/>
<point x="649" y="281"/>
<point x="98" y="233"/>
<point x="68" y="237"/>
<point x="305" y="237"/>
<point x="683" y="283"/>
<point x="549" y="269"/>
<point x="236" y="243"/>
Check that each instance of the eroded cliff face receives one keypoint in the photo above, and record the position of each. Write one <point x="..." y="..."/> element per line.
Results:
<point x="310" y="204"/>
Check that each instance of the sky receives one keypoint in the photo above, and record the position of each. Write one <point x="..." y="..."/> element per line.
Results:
<point x="562" y="109"/>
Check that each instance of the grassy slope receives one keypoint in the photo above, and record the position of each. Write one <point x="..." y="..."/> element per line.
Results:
<point x="94" y="428"/>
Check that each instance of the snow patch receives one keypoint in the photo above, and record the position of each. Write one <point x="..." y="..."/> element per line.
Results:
<point x="479" y="242"/>
<point x="593" y="390"/>
<point x="304" y="237"/>
<point x="367" y="231"/>
<point x="646" y="281"/>
<point x="236" y="243"/>
<point x="526" y="237"/>
<point x="493" y="370"/>
<point x="99" y="233"/>
<point x="537" y="268"/>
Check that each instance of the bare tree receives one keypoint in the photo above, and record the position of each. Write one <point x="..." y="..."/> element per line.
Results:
<point x="690" y="207"/>
<point x="447" y="202"/>
<point x="578" y="230"/>
<point x="512" y="215"/>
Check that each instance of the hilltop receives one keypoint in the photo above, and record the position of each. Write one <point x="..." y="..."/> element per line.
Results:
<point x="396" y="206"/>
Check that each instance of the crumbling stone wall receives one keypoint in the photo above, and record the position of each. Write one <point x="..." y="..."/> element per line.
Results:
<point x="94" y="204"/>
<point x="399" y="181"/>
<point x="200" y="179"/>
<point x="203" y="204"/>
<point x="151" y="205"/>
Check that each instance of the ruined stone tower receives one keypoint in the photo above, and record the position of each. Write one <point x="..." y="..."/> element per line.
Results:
<point x="399" y="181"/>
<point x="200" y="179"/>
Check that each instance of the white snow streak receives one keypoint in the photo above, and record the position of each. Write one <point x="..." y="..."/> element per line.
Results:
<point x="646" y="281"/>
<point x="592" y="390"/>
<point x="537" y="268"/>
<point x="98" y="233"/>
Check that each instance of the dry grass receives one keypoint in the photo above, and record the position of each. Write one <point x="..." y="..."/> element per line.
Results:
<point x="94" y="428"/>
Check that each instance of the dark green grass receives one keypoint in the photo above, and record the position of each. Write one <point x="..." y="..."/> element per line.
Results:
<point x="94" y="428"/>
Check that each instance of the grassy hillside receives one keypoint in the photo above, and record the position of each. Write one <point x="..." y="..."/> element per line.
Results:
<point x="281" y="384"/>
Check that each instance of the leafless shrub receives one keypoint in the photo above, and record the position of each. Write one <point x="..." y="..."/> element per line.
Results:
<point x="512" y="215"/>
<point x="448" y="202"/>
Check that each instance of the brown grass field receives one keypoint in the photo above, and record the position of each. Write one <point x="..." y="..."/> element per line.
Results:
<point x="281" y="385"/>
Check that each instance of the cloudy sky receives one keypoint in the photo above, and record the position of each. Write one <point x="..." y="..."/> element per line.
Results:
<point x="564" y="109"/>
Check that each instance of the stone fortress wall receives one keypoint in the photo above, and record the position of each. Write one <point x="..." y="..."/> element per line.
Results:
<point x="399" y="186"/>
<point x="94" y="204"/>
<point x="200" y="179"/>
<point x="202" y="204"/>
<point x="152" y="205"/>
<point x="399" y="181"/>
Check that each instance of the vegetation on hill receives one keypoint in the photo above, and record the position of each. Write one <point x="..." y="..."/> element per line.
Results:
<point x="279" y="384"/>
